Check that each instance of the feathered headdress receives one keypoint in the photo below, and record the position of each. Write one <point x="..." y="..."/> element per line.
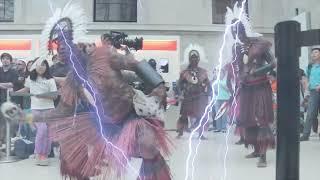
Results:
<point x="197" y="48"/>
<point x="238" y="13"/>
<point x="71" y="17"/>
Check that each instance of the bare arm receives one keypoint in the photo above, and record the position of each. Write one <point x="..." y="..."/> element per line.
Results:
<point x="23" y="90"/>
<point x="123" y="62"/>
<point x="63" y="110"/>
<point x="59" y="80"/>
<point x="266" y="68"/>
<point x="52" y="97"/>
<point x="6" y="85"/>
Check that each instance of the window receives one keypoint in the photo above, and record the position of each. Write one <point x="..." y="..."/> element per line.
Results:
<point x="219" y="9"/>
<point x="115" y="10"/>
<point x="6" y="10"/>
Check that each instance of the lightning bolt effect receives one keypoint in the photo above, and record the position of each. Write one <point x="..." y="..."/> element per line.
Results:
<point x="234" y="102"/>
<point x="208" y="109"/>
<point x="94" y="95"/>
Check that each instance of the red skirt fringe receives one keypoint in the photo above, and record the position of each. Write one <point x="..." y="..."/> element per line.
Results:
<point x="85" y="153"/>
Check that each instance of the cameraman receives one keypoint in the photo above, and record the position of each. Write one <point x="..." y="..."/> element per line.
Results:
<point x="106" y="40"/>
<point x="129" y="76"/>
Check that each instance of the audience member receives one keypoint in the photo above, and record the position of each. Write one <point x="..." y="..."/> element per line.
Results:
<point x="8" y="77"/>
<point x="314" y="97"/>
<point x="222" y="96"/>
<point x="39" y="82"/>
<point x="60" y="68"/>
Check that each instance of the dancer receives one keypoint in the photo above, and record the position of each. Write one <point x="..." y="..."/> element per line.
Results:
<point x="195" y="88"/>
<point x="254" y="59"/>
<point x="120" y="115"/>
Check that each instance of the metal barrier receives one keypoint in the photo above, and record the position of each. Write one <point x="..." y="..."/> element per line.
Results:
<point x="8" y="158"/>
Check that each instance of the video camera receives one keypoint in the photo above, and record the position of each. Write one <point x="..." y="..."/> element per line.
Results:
<point x="119" y="38"/>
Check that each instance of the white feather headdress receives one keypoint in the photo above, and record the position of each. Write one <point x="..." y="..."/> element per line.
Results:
<point x="197" y="48"/>
<point x="72" y="12"/>
<point x="237" y="13"/>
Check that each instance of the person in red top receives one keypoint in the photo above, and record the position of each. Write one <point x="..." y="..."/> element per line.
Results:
<point x="273" y="81"/>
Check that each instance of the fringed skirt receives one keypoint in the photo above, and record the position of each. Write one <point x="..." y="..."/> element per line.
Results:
<point x="256" y="115"/>
<point x="261" y="138"/>
<point x="86" y="153"/>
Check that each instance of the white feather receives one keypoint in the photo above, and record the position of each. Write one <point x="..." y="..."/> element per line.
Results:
<point x="235" y="13"/>
<point x="76" y="14"/>
<point x="196" y="47"/>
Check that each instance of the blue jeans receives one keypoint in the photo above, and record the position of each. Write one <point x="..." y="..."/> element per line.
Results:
<point x="312" y="112"/>
<point x="221" y="123"/>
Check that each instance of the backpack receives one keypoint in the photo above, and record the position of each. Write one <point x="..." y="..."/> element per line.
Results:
<point x="23" y="148"/>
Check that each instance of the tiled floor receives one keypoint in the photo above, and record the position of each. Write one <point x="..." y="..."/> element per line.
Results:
<point x="208" y="164"/>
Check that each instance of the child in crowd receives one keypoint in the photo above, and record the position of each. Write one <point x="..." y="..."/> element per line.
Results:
<point x="40" y="82"/>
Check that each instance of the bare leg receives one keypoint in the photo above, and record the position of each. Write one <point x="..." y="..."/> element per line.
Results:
<point x="254" y="154"/>
<point x="201" y="129"/>
<point x="262" y="161"/>
<point x="154" y="166"/>
<point x="182" y="125"/>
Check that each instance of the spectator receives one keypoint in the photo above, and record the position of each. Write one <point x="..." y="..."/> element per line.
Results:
<point x="21" y="68"/>
<point x="222" y="96"/>
<point x="29" y="65"/>
<point x="314" y="97"/>
<point x="59" y="71"/>
<point x="39" y="82"/>
<point x="8" y="77"/>
<point x="303" y="89"/>
<point x="60" y="68"/>
<point x="153" y="64"/>
<point x="55" y="59"/>
<point x="273" y="82"/>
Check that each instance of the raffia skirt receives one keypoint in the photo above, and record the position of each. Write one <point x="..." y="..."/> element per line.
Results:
<point x="256" y="115"/>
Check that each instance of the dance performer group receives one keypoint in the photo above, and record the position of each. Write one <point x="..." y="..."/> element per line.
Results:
<point x="121" y="122"/>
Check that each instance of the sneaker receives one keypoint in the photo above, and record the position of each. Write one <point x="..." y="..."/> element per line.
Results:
<point x="203" y="138"/>
<point x="262" y="164"/>
<point x="252" y="155"/>
<point x="43" y="162"/>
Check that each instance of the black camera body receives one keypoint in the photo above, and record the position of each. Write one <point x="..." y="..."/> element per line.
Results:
<point x="120" y="38"/>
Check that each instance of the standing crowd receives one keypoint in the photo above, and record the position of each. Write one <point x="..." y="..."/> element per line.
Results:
<point x="33" y="79"/>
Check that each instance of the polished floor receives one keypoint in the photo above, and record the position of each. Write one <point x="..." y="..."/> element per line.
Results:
<point x="208" y="165"/>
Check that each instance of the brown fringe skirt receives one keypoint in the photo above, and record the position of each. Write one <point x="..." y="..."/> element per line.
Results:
<point x="85" y="153"/>
<point x="256" y="115"/>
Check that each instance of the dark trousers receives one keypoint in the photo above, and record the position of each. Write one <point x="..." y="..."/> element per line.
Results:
<point x="312" y="112"/>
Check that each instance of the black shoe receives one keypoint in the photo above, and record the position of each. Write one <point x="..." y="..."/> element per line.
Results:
<point x="180" y="134"/>
<point x="262" y="163"/>
<point x="304" y="138"/>
<point x="217" y="130"/>
<point x="203" y="138"/>
<point x="252" y="155"/>
<point x="240" y="142"/>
